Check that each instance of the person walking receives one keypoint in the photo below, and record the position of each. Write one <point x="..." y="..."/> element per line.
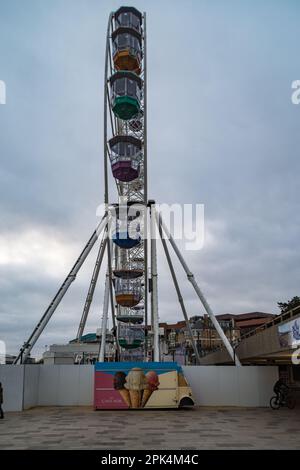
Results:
<point x="1" y="401"/>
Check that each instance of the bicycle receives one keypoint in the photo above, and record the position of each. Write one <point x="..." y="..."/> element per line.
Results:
<point x="281" y="400"/>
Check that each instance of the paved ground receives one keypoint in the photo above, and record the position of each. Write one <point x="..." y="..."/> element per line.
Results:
<point x="200" y="428"/>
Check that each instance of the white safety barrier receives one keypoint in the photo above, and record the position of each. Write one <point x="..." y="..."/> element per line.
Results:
<point x="27" y="386"/>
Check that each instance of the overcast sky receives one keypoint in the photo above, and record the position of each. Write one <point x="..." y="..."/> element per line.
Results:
<point x="222" y="131"/>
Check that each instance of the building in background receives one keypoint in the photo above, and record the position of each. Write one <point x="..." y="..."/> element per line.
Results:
<point x="84" y="352"/>
<point x="9" y="359"/>
<point x="265" y="340"/>
<point x="177" y="343"/>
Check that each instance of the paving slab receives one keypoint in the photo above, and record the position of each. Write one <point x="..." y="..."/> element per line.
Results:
<point x="198" y="428"/>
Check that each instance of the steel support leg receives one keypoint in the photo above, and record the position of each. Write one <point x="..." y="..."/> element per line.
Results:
<point x="145" y="189"/>
<point x="28" y="345"/>
<point x="112" y="303"/>
<point x="179" y="295"/>
<point x="104" y="319"/>
<point x="154" y="295"/>
<point x="199" y="293"/>
<point x="90" y="294"/>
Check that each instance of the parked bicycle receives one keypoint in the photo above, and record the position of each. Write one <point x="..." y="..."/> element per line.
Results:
<point x="283" y="396"/>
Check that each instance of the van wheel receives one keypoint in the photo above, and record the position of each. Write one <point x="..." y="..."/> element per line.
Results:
<point x="186" y="402"/>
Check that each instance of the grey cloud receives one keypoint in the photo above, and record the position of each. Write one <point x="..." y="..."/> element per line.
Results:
<point x="222" y="131"/>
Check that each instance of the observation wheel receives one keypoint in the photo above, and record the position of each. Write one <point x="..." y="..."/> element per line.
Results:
<point x="125" y="174"/>
<point x="128" y="216"/>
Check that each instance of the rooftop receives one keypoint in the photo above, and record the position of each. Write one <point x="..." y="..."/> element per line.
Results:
<point x="88" y="338"/>
<point x="242" y="320"/>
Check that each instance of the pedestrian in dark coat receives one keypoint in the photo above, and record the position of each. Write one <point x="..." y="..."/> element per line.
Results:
<point x="1" y="401"/>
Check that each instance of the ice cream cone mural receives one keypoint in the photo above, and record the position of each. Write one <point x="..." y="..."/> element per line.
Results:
<point x="135" y="384"/>
<point x="140" y="386"/>
<point x="152" y="385"/>
<point x="119" y="384"/>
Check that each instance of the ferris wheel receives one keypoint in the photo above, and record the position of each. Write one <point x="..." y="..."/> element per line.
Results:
<point x="125" y="151"/>
<point x="130" y="219"/>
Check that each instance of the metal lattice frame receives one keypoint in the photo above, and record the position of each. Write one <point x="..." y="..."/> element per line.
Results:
<point x="136" y="190"/>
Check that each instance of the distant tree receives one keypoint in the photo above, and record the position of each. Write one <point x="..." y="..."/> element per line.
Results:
<point x="286" y="306"/>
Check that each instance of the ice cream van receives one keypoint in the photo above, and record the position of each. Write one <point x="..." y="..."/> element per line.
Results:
<point x="140" y="385"/>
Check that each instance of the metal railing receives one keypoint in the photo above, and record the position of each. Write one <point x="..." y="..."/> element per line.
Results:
<point x="283" y="317"/>
<point x="275" y="321"/>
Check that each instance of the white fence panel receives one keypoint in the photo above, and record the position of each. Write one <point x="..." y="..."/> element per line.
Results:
<point x="72" y="385"/>
<point x="12" y="378"/>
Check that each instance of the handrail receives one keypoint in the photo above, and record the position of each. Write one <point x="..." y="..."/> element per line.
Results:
<point x="275" y="321"/>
